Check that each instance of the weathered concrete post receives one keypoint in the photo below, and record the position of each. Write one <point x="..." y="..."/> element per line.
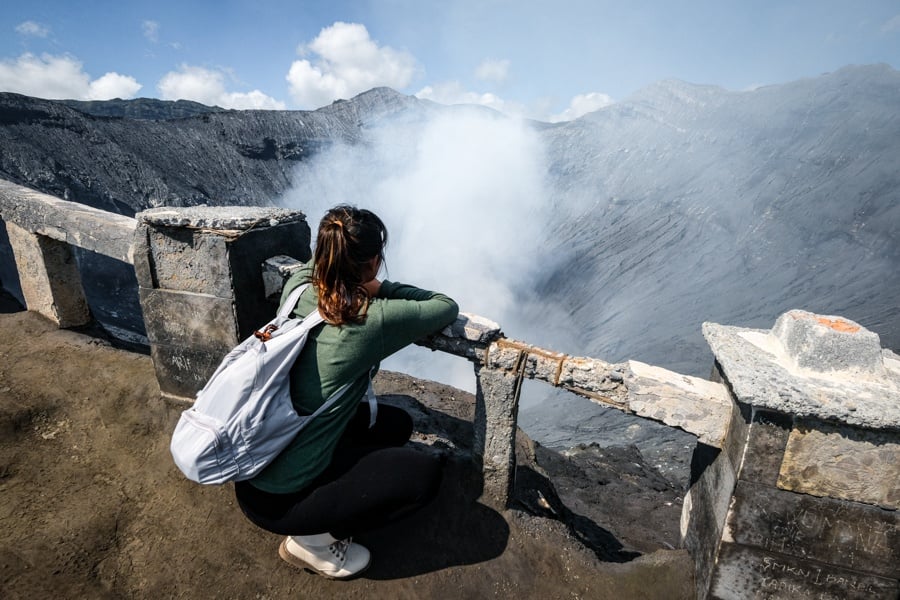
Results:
<point x="803" y="499"/>
<point x="496" y="415"/>
<point x="42" y="230"/>
<point x="201" y="285"/>
<point x="49" y="276"/>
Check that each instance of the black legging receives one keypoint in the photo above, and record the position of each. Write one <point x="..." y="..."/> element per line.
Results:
<point x="371" y="480"/>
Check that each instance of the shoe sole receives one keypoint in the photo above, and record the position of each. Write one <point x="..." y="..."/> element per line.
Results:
<point x="302" y="564"/>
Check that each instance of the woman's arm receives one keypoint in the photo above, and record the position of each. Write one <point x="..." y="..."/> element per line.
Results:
<point x="410" y="313"/>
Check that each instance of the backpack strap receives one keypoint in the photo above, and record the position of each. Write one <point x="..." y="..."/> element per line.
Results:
<point x="370" y="396"/>
<point x="312" y="320"/>
<point x="291" y="302"/>
<point x="373" y="402"/>
<point x="327" y="404"/>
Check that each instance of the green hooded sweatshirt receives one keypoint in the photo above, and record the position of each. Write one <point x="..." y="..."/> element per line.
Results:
<point x="334" y="355"/>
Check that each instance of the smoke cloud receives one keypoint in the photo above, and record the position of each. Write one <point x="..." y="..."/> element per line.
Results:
<point x="464" y="198"/>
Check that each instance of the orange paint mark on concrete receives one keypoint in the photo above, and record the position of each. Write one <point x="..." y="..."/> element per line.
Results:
<point x="838" y="325"/>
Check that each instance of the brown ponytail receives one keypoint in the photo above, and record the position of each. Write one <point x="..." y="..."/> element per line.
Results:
<point x="348" y="239"/>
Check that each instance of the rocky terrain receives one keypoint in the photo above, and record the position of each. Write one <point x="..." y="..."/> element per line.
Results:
<point x="93" y="506"/>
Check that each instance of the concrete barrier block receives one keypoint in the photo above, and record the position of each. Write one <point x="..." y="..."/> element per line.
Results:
<point x="845" y="462"/>
<point x="49" y="277"/>
<point x="201" y="283"/>
<point x="828" y="343"/>
<point x="746" y="573"/>
<point x="766" y="439"/>
<point x="814" y="513"/>
<point x="182" y="372"/>
<point x="834" y="532"/>
<point x="188" y="320"/>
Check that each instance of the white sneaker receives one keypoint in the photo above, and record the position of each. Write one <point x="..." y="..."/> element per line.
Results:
<point x="326" y="555"/>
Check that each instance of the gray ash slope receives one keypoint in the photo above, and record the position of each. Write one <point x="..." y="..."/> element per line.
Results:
<point x="681" y="204"/>
<point x="688" y="203"/>
<point x="104" y="158"/>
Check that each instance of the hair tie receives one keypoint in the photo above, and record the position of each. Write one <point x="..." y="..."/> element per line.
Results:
<point x="338" y="223"/>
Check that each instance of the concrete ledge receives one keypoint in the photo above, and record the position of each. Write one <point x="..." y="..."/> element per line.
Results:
<point x="762" y="375"/>
<point x="220" y="219"/>
<point x="76" y="224"/>
<point x="695" y="405"/>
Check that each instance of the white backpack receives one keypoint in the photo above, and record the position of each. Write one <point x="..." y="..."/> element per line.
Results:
<point x="243" y="417"/>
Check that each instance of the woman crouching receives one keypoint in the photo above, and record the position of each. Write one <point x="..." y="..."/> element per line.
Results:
<point x="347" y="471"/>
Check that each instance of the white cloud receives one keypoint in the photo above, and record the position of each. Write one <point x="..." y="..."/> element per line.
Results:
<point x="151" y="30"/>
<point x="452" y="92"/>
<point x="347" y="63"/>
<point x="113" y="85"/>
<point x="192" y="83"/>
<point x="33" y="28"/>
<point x="58" y="77"/>
<point x="496" y="71"/>
<point x="208" y="87"/>
<point x="254" y="100"/>
<point x="891" y="25"/>
<point x="581" y="105"/>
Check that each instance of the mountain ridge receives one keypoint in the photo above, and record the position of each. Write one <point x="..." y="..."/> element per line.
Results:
<point x="141" y="108"/>
<point x="680" y="204"/>
<point x="220" y="157"/>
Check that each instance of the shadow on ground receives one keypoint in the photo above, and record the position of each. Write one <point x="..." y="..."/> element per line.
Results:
<point x="536" y="494"/>
<point x="453" y="530"/>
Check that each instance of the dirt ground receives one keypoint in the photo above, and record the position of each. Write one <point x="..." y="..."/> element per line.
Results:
<point x="92" y="506"/>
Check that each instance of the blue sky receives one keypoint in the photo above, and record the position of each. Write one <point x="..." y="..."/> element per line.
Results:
<point x="541" y="59"/>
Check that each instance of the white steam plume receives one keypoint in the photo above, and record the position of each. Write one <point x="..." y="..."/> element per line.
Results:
<point x="465" y="201"/>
